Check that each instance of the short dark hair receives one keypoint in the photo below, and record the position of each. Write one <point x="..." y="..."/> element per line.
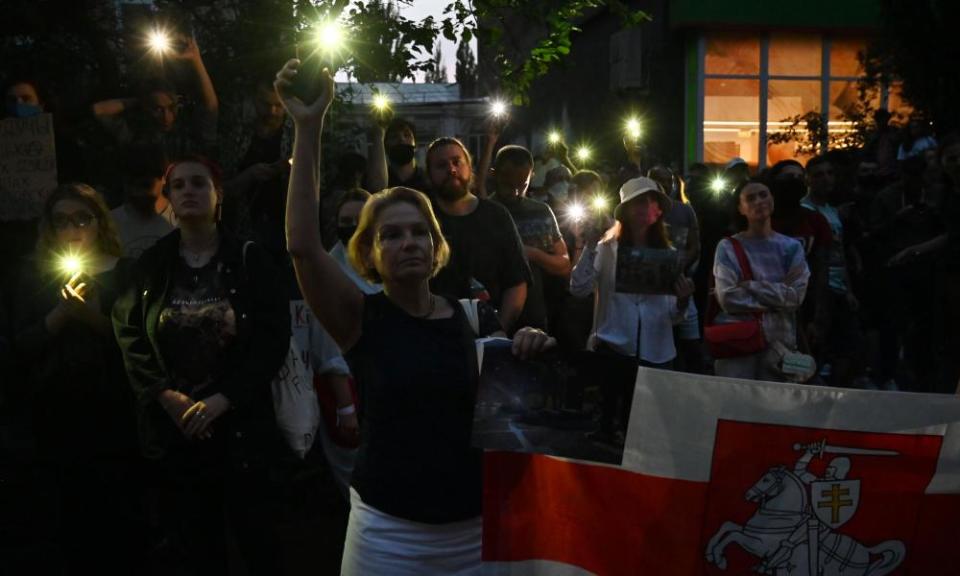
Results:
<point x="32" y="82"/>
<point x="398" y="125"/>
<point x="585" y="178"/>
<point x="352" y="195"/>
<point x="513" y="155"/>
<point x="779" y="167"/>
<point x="816" y="161"/>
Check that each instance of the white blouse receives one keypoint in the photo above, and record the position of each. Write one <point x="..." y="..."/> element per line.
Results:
<point x="628" y="323"/>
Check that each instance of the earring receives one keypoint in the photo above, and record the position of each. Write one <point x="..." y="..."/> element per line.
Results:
<point x="218" y="212"/>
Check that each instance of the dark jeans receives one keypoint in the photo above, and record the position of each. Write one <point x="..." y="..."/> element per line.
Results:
<point x="617" y="375"/>
<point x="203" y="502"/>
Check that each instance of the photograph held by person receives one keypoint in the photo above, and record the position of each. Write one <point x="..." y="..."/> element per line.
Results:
<point x="204" y="329"/>
<point x="416" y="487"/>
<point x="684" y="232"/>
<point x="776" y="291"/>
<point x="629" y="329"/>
<point x="71" y="390"/>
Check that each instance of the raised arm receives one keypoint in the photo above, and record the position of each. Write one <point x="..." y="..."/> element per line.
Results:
<point x="113" y="107"/>
<point x="191" y="53"/>
<point x="494" y="128"/>
<point x="332" y="296"/>
<point x="378" y="176"/>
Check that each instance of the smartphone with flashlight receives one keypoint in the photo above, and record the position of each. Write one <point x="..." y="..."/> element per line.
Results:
<point x="306" y="84"/>
<point x="319" y="47"/>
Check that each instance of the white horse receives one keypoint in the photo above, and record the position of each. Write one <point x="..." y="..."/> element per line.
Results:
<point x="782" y="514"/>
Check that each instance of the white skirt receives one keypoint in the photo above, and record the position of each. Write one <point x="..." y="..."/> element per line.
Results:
<point x="378" y="543"/>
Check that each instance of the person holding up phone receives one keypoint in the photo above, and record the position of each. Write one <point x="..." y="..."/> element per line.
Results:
<point x="629" y="329"/>
<point x="417" y="484"/>
<point x="69" y="387"/>
<point x="157" y="114"/>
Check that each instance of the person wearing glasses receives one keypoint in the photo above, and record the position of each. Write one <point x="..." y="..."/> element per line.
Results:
<point x="69" y="389"/>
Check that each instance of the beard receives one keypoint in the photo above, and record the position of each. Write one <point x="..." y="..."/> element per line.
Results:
<point x="453" y="188"/>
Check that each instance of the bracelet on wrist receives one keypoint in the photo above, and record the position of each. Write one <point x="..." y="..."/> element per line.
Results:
<point x="347" y="410"/>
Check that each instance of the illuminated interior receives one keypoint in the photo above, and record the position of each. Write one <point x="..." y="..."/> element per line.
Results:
<point x="791" y="69"/>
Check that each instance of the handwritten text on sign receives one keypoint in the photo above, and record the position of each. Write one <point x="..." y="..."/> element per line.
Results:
<point x="28" y="166"/>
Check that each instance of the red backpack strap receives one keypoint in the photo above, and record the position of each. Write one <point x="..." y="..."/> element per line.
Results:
<point x="713" y="305"/>
<point x="741" y="258"/>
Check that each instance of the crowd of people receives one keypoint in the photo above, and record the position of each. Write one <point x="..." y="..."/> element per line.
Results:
<point x="136" y="410"/>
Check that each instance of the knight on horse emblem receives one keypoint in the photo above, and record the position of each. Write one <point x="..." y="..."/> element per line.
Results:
<point x="794" y="530"/>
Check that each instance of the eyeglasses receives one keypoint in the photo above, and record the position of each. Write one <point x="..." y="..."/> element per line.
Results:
<point x="77" y="219"/>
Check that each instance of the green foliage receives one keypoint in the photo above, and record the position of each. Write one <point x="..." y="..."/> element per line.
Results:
<point x="519" y="67"/>
<point x="466" y="69"/>
<point x="438" y="73"/>
<point x="245" y="40"/>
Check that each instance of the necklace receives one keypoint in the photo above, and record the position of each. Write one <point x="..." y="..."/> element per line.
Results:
<point x="197" y="258"/>
<point x="433" y="306"/>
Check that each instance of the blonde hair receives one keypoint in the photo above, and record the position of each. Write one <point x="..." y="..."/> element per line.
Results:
<point x="361" y="244"/>
<point x="108" y="241"/>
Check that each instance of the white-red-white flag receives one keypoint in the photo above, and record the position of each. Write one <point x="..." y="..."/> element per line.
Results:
<point x="737" y="477"/>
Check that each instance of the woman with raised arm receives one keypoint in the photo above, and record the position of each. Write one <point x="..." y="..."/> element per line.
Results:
<point x="416" y="487"/>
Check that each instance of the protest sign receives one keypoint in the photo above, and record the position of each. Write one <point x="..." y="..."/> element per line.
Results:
<point x="28" y="166"/>
<point x="646" y="270"/>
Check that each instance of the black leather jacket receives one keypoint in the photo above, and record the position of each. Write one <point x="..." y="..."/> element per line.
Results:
<point x="259" y="300"/>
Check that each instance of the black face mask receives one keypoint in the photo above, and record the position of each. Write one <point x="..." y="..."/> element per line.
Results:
<point x="787" y="194"/>
<point x="401" y="154"/>
<point x="345" y="233"/>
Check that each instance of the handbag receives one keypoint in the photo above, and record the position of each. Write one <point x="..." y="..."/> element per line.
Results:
<point x="737" y="338"/>
<point x="295" y="404"/>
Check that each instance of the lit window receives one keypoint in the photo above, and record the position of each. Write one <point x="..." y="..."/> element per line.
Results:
<point x="731" y="126"/>
<point x="732" y="54"/>
<point x="786" y="100"/>
<point x="795" y="55"/>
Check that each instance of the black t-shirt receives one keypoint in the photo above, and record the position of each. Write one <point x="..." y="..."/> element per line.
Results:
<point x="196" y="328"/>
<point x="417" y="382"/>
<point x="485" y="246"/>
<point x="417" y="181"/>
<point x="538" y="228"/>
<point x="262" y="150"/>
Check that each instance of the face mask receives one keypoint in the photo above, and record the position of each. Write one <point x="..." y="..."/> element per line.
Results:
<point x="559" y="191"/>
<point x="345" y="233"/>
<point x="23" y="110"/>
<point x="401" y="154"/>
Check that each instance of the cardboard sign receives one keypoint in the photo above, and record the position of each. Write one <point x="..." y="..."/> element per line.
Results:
<point x="646" y="270"/>
<point x="28" y="166"/>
